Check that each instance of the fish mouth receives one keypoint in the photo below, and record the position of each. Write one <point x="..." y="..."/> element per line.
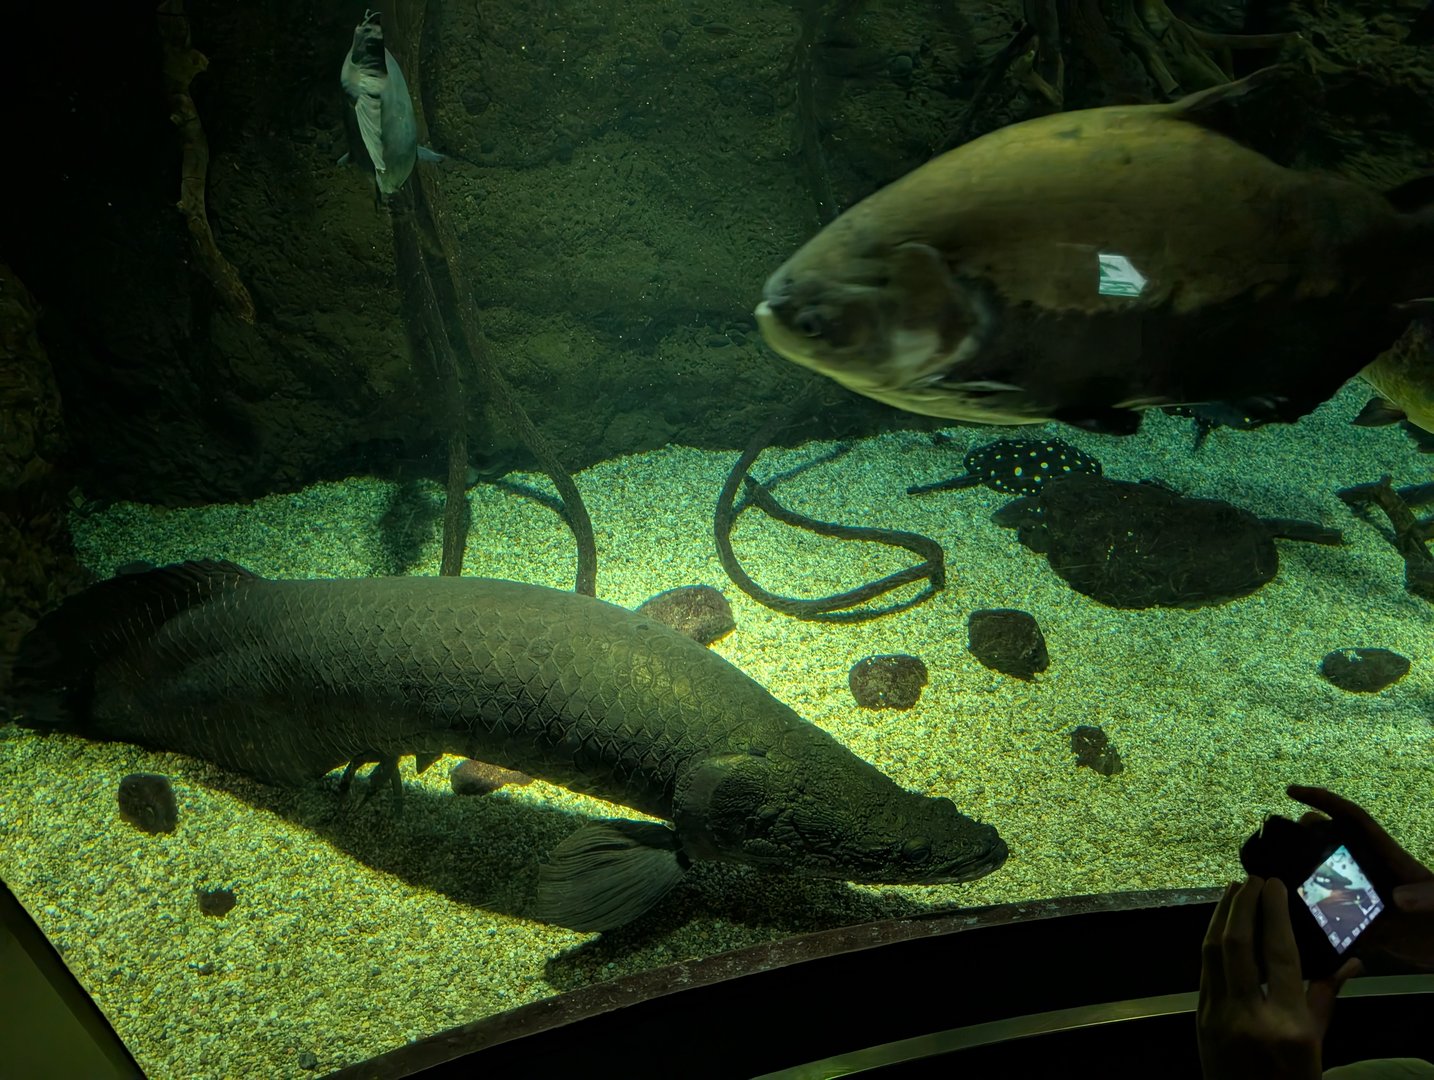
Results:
<point x="921" y="387"/>
<point x="969" y="869"/>
<point x="806" y="349"/>
<point x="778" y="335"/>
<point x="784" y="340"/>
<point x="954" y="871"/>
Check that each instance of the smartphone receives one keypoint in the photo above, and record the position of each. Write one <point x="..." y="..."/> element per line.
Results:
<point x="1334" y="899"/>
<point x="1340" y="898"/>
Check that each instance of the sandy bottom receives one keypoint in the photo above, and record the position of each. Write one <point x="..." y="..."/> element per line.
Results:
<point x="358" y="928"/>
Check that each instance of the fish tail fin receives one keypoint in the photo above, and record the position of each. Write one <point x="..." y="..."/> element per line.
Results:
<point x="53" y="673"/>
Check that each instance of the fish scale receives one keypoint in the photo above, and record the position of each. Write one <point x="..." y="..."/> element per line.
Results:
<point x="287" y="680"/>
<point x="1085" y="266"/>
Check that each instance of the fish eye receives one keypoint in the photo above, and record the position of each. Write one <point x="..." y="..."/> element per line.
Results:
<point x="916" y="849"/>
<point x="812" y="323"/>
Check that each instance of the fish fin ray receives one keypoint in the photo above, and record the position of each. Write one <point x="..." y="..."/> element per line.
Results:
<point x="1256" y="111"/>
<point x="607" y="874"/>
<point x="1378" y="412"/>
<point x="368" y="110"/>
<point x="1423" y="440"/>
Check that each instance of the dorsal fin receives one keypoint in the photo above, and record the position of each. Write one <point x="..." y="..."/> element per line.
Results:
<point x="57" y="658"/>
<point x="1266" y="110"/>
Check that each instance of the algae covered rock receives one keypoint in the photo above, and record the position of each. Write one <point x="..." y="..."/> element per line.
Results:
<point x="892" y="681"/>
<point x="1008" y="641"/>
<point x="472" y="777"/>
<point x="1363" y="671"/>
<point x="698" y="611"/>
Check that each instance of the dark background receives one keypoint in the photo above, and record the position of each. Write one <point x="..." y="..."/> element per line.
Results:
<point x="624" y="175"/>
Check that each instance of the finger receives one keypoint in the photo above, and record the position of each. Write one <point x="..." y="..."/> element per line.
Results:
<point x="1237" y="946"/>
<point x="1212" y="960"/>
<point x="1282" y="955"/>
<point x="1380" y="842"/>
<point x="1322" y="993"/>
<point x="1326" y="801"/>
<point x="1416" y="898"/>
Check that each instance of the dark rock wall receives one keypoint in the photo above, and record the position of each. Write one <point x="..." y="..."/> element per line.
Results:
<point x="624" y="175"/>
<point x="626" y="178"/>
<point x="36" y="566"/>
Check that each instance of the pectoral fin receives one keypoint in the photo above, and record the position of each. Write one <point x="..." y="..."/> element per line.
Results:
<point x="607" y="874"/>
<point x="384" y="772"/>
<point x="368" y="109"/>
<point x="1378" y="412"/>
<point x="425" y="154"/>
<point x="920" y="277"/>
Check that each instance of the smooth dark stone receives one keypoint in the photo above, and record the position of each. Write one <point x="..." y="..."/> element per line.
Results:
<point x="1363" y="671"/>
<point x="1008" y="641"/>
<point x="699" y="611"/>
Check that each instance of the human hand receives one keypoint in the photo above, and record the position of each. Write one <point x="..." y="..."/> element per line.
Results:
<point x="1246" y="1030"/>
<point x="1405" y="932"/>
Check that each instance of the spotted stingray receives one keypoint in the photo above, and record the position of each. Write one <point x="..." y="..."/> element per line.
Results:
<point x="1016" y="466"/>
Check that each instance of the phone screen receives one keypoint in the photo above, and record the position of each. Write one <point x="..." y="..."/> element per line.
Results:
<point x="1341" y="898"/>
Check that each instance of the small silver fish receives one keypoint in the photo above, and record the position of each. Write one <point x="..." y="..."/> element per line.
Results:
<point x="382" y="129"/>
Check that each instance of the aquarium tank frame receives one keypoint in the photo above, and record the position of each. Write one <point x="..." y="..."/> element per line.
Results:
<point x="1015" y="987"/>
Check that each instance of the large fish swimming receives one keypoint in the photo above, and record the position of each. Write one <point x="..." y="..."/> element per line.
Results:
<point x="381" y="126"/>
<point x="286" y="680"/>
<point x="1403" y="379"/>
<point x="1087" y="265"/>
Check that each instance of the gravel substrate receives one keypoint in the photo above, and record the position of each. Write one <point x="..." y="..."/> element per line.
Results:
<point x="357" y="928"/>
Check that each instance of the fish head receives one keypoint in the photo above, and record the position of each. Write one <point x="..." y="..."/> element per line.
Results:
<point x="828" y="813"/>
<point x="367" y="51"/>
<point x="885" y="320"/>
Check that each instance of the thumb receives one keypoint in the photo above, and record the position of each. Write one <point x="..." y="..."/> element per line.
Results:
<point x="1415" y="898"/>
<point x="1322" y="992"/>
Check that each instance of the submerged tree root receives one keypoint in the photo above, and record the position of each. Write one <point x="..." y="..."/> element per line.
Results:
<point x="1411" y="535"/>
<point x="1175" y="57"/>
<point x="438" y="285"/>
<point x="834" y="608"/>
<point x="182" y="62"/>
